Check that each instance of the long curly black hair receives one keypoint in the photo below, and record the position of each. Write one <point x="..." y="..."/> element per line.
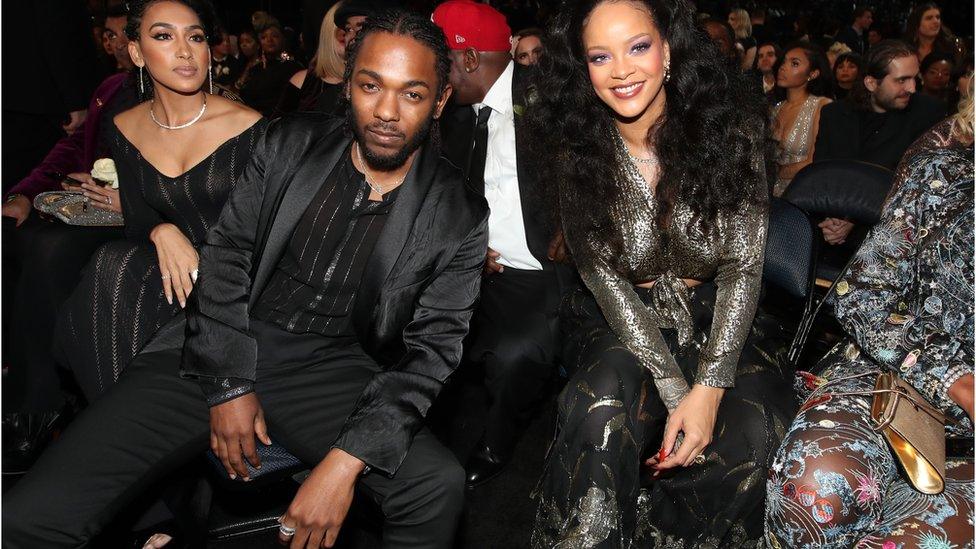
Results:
<point x="712" y="141"/>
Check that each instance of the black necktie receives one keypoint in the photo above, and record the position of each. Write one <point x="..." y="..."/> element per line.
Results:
<point x="479" y="150"/>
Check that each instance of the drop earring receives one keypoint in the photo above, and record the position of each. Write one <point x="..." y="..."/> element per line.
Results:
<point x="210" y="77"/>
<point x="142" y="88"/>
<point x="667" y="70"/>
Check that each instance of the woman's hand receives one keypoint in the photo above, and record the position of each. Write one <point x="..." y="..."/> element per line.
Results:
<point x="103" y="198"/>
<point x="178" y="262"/>
<point x="695" y="417"/>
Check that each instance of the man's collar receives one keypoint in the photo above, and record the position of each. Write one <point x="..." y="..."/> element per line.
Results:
<point x="499" y="96"/>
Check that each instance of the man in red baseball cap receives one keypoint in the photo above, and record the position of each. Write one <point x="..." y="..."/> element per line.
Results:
<point x="513" y="334"/>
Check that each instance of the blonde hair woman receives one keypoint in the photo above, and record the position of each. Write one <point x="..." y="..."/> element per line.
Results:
<point x="322" y="93"/>
<point x="741" y="23"/>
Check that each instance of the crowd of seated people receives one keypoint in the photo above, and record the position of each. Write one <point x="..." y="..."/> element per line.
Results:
<point x="316" y="246"/>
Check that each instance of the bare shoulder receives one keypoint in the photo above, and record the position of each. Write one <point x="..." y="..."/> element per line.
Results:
<point x="128" y="121"/>
<point x="298" y="79"/>
<point x="231" y="116"/>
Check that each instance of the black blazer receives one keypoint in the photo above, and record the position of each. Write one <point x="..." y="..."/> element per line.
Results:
<point x="414" y="302"/>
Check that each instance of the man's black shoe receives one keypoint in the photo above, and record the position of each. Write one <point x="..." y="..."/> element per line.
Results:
<point x="483" y="466"/>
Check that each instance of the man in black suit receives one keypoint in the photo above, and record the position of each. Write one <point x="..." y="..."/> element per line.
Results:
<point x="856" y="35"/>
<point x="514" y="331"/>
<point x="880" y="119"/>
<point x="330" y="308"/>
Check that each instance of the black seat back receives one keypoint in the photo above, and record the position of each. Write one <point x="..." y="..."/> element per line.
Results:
<point x="788" y="262"/>
<point x="841" y="188"/>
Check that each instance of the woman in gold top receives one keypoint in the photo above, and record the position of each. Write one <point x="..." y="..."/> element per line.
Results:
<point x="657" y="149"/>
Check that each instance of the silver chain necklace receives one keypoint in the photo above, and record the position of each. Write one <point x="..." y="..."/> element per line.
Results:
<point x="376" y="187"/>
<point x="196" y="118"/>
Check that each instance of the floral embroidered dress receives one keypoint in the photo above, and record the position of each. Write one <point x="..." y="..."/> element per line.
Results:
<point x="907" y="303"/>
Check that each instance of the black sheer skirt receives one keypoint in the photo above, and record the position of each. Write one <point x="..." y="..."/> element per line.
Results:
<point x="116" y="308"/>
<point x="595" y="491"/>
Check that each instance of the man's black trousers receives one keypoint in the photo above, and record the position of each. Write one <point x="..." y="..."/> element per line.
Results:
<point x="153" y="421"/>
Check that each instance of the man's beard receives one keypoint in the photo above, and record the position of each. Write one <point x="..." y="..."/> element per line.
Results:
<point x="391" y="161"/>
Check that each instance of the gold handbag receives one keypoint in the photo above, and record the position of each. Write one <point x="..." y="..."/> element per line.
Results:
<point x="914" y="429"/>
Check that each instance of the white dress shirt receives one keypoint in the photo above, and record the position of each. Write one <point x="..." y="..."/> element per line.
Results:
<point x="506" y="229"/>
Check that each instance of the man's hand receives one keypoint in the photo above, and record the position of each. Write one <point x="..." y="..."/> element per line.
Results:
<point x="18" y="208"/>
<point x="75" y="120"/>
<point x="835" y="230"/>
<point x="233" y="426"/>
<point x="491" y="263"/>
<point x="321" y="504"/>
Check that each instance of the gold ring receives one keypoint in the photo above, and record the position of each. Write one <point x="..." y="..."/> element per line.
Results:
<point x="700" y="459"/>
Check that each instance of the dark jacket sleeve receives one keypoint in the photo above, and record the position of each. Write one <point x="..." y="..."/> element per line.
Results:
<point x="218" y="345"/>
<point x="827" y="145"/>
<point x="392" y="407"/>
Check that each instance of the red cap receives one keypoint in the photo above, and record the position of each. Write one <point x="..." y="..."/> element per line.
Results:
<point x="468" y="24"/>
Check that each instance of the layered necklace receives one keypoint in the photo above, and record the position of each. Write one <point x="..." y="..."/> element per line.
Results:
<point x="634" y="163"/>
<point x="152" y="114"/>
<point x="376" y="187"/>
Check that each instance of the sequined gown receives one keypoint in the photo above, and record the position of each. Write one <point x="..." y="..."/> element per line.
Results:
<point x="620" y="341"/>
<point x="798" y="140"/>
<point x="119" y="303"/>
<point x="907" y="305"/>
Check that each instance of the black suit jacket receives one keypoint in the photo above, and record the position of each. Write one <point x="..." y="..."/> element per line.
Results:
<point x="413" y="305"/>
<point x="840" y="134"/>
<point x="457" y="130"/>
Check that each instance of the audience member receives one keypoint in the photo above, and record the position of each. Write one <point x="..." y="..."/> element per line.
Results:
<point x="346" y="386"/>
<point x="528" y="46"/>
<point x="178" y="156"/>
<point x="265" y="78"/>
<point x="834" y="51"/>
<point x="961" y="76"/>
<point x="805" y="76"/>
<point x="226" y="68"/>
<point x="513" y="333"/>
<point x="63" y="73"/>
<point x="759" y="31"/>
<point x="936" y="70"/>
<point x="250" y="48"/>
<point x="323" y="91"/>
<point x="667" y="224"/>
<point x="767" y="59"/>
<point x="874" y="36"/>
<point x="847" y="71"/>
<point x="746" y="44"/>
<point x="855" y="36"/>
<point x="927" y="34"/>
<point x="49" y="259"/>
<point x="907" y="306"/>
<point x="882" y="117"/>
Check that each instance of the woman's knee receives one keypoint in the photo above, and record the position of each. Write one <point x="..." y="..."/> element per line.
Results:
<point x="822" y="489"/>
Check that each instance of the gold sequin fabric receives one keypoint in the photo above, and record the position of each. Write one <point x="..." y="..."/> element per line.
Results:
<point x="728" y="250"/>
<point x="796" y="142"/>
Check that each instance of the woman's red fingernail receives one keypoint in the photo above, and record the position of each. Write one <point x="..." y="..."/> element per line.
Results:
<point x="661" y="456"/>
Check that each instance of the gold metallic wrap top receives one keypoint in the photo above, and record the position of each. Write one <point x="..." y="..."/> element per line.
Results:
<point x="728" y="249"/>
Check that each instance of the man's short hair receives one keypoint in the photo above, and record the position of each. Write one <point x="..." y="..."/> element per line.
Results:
<point x="859" y="12"/>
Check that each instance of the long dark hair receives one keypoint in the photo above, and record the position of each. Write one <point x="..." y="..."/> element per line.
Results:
<point x="823" y="84"/>
<point x="877" y="65"/>
<point x="711" y="140"/>
<point x="945" y="41"/>
<point x="203" y="8"/>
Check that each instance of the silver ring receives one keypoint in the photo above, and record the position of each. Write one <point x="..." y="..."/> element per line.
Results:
<point x="109" y="200"/>
<point x="165" y="277"/>
<point x="700" y="459"/>
<point x="286" y="531"/>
